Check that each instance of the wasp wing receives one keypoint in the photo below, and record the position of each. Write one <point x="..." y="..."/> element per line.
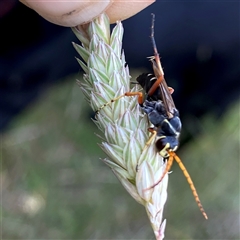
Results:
<point x="166" y="96"/>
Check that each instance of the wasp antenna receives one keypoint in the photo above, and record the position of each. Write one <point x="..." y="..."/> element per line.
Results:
<point x="189" y="180"/>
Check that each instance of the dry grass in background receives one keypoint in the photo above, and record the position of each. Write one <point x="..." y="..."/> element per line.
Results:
<point x="55" y="187"/>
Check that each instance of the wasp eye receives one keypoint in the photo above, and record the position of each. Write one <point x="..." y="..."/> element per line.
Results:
<point x="163" y="147"/>
<point x="160" y="145"/>
<point x="163" y="143"/>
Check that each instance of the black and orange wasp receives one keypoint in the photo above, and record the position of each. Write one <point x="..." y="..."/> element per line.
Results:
<point x="159" y="106"/>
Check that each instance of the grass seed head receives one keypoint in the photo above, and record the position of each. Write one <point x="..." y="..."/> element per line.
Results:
<point x="122" y="122"/>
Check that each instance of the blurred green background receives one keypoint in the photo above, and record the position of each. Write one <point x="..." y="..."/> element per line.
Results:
<point x="55" y="187"/>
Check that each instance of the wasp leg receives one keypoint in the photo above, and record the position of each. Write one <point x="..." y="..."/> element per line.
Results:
<point x="154" y="133"/>
<point x="157" y="67"/>
<point x="108" y="103"/>
<point x="127" y="94"/>
<point x="155" y="86"/>
<point x="139" y="94"/>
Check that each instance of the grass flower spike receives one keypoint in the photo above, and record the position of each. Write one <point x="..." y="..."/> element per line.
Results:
<point x="122" y="122"/>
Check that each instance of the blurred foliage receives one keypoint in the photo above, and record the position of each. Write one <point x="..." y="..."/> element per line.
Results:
<point x="55" y="187"/>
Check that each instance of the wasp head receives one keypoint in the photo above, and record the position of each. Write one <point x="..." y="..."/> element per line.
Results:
<point x="166" y="144"/>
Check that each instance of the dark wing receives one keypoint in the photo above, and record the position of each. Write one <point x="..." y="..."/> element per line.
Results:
<point x="166" y="96"/>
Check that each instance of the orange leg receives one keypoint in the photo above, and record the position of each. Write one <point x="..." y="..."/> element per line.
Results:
<point x="157" y="66"/>
<point x="154" y="133"/>
<point x="139" y="94"/>
<point x="128" y="94"/>
<point x="155" y="85"/>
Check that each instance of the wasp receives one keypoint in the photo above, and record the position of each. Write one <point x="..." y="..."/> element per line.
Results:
<point x="162" y="114"/>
